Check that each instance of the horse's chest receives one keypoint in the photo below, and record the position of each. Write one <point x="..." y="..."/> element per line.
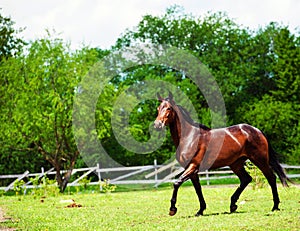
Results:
<point x="187" y="150"/>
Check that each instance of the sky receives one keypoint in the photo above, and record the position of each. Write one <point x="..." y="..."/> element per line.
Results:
<point x="100" y="23"/>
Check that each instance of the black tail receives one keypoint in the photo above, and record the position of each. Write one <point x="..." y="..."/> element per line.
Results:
<point x="274" y="163"/>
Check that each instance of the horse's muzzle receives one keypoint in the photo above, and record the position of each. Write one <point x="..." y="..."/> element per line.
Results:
<point x="158" y="125"/>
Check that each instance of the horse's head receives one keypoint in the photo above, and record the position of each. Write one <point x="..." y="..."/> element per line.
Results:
<point x="166" y="113"/>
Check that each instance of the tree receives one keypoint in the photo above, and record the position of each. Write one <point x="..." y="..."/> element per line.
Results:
<point x="39" y="92"/>
<point x="16" y="154"/>
<point x="215" y="39"/>
<point x="254" y="69"/>
<point x="286" y="65"/>
<point x="221" y="44"/>
<point x="10" y="44"/>
<point x="274" y="118"/>
<point x="277" y="111"/>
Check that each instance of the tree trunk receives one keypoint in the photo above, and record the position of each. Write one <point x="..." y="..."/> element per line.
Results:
<point x="63" y="181"/>
<point x="55" y="160"/>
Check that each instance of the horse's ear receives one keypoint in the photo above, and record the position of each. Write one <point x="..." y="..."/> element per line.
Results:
<point x="159" y="97"/>
<point x="170" y="95"/>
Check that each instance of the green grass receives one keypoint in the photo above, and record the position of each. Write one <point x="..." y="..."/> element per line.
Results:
<point x="148" y="210"/>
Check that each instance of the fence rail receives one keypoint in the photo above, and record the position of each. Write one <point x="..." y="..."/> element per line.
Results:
<point x="151" y="175"/>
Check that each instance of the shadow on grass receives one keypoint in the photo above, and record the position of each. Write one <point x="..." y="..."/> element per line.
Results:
<point x="214" y="214"/>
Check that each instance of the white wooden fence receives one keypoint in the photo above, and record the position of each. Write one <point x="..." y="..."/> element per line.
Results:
<point x="151" y="174"/>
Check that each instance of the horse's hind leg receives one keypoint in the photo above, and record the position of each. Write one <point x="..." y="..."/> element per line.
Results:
<point x="238" y="168"/>
<point x="269" y="174"/>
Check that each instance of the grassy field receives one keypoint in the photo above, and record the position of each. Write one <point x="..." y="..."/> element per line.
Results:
<point x="148" y="210"/>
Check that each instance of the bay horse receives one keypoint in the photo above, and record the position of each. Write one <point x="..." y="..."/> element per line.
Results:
<point x="195" y="143"/>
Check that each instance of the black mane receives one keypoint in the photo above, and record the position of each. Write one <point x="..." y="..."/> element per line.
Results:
<point x="188" y="118"/>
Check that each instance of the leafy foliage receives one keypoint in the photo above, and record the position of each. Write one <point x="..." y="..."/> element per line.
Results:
<point x="39" y="90"/>
<point x="44" y="187"/>
<point x="257" y="72"/>
<point x="10" y="43"/>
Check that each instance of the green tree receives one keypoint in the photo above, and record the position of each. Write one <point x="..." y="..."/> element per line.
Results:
<point x="221" y="44"/>
<point x="39" y="91"/>
<point x="10" y="43"/>
<point x="286" y="66"/>
<point x="255" y="70"/>
<point x="275" y="119"/>
<point x="215" y="39"/>
<point x="277" y="112"/>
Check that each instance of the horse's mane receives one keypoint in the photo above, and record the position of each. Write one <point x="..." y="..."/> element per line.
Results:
<point x="188" y="118"/>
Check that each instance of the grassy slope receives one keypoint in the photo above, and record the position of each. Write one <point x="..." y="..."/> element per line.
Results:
<point x="148" y="210"/>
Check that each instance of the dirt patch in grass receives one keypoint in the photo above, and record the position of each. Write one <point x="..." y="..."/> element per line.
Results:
<point x="4" y="218"/>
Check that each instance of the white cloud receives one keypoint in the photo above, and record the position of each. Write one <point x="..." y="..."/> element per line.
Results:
<point x="100" y="23"/>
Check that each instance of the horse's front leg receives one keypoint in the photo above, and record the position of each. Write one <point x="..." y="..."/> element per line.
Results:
<point x="173" y="208"/>
<point x="184" y="177"/>
<point x="197" y="186"/>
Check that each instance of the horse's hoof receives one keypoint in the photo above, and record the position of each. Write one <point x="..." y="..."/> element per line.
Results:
<point x="173" y="211"/>
<point x="275" y="209"/>
<point x="233" y="208"/>
<point x="199" y="213"/>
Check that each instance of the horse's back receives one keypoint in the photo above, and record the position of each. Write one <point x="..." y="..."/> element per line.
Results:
<point x="239" y="141"/>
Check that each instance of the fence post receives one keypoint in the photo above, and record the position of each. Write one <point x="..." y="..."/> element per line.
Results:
<point x="99" y="177"/>
<point x="207" y="177"/>
<point x="43" y="176"/>
<point x="155" y="176"/>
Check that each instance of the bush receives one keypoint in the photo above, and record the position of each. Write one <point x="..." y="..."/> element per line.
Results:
<point x="44" y="186"/>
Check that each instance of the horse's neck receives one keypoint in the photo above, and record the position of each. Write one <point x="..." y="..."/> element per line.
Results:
<point x="186" y="138"/>
<point x="179" y="128"/>
<point x="175" y="131"/>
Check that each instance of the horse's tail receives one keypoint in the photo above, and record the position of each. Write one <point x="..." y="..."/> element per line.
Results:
<point x="275" y="165"/>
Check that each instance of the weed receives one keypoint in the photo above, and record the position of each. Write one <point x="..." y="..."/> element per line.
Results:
<point x="83" y="184"/>
<point x="19" y="187"/>
<point x="44" y="187"/>
<point x="106" y="187"/>
<point x="259" y="180"/>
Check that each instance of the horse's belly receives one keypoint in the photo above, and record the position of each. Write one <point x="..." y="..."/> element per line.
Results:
<point x="224" y="156"/>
